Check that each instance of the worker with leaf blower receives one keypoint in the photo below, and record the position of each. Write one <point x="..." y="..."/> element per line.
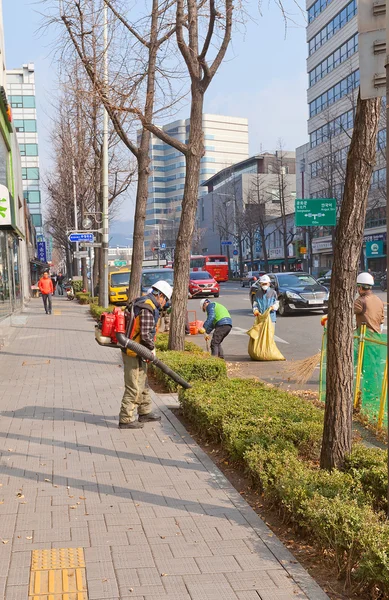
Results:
<point x="142" y="316"/>
<point x="218" y="319"/>
<point x="265" y="299"/>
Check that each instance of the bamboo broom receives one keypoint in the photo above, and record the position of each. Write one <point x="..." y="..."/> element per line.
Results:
<point x="301" y="370"/>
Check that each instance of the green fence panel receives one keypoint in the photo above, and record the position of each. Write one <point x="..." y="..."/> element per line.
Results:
<point x="374" y="360"/>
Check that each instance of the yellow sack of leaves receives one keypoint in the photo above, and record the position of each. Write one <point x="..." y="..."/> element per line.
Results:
<point x="262" y="345"/>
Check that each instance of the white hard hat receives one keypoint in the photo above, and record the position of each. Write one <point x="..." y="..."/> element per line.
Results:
<point x="365" y="279"/>
<point x="202" y="302"/>
<point x="264" y="279"/>
<point x="164" y="288"/>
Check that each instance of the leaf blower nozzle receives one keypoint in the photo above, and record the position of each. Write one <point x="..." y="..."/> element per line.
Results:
<point x="110" y="332"/>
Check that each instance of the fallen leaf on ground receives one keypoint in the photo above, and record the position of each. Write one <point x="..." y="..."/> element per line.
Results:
<point x="20" y="495"/>
<point x="29" y="537"/>
<point x="5" y="541"/>
<point x="49" y="480"/>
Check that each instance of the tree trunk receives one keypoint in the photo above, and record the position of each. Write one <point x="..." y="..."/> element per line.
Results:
<point x="264" y="249"/>
<point x="140" y="216"/>
<point x="251" y="242"/>
<point x="84" y="273"/>
<point x="187" y="221"/>
<point x="337" y="432"/>
<point x="96" y="271"/>
<point x="285" y="242"/>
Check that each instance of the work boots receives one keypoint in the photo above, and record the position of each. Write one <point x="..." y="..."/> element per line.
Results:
<point x="131" y="425"/>
<point x="149" y="417"/>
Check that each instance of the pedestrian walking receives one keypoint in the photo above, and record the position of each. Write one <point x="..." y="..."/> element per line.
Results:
<point x="60" y="280"/>
<point x="54" y="281"/>
<point x="142" y="316"/>
<point x="45" y="285"/>
<point x="218" y="319"/>
<point x="265" y="299"/>
<point x="368" y="308"/>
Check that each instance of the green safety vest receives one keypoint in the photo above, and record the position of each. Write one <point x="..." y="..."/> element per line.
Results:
<point x="220" y="313"/>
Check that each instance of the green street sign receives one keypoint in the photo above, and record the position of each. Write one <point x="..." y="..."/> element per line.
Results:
<point x="120" y="263"/>
<point x="315" y="212"/>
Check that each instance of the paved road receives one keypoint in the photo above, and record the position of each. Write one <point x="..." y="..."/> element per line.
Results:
<point x="298" y="336"/>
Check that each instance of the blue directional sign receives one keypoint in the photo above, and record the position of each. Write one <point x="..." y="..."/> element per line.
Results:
<point x="226" y="243"/>
<point x="81" y="237"/>
<point x="41" y="248"/>
<point x="163" y="246"/>
<point x="235" y="253"/>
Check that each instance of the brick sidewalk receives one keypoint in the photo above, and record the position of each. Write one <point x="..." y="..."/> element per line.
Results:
<point x="155" y="518"/>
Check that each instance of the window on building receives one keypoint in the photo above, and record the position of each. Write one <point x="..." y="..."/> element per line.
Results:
<point x="28" y="149"/>
<point x="334" y="60"/>
<point x="22" y="101"/>
<point x="332" y="128"/>
<point x="30" y="173"/>
<point x="381" y="139"/>
<point x="32" y="196"/>
<point x="338" y="91"/>
<point x="339" y="21"/>
<point x="36" y="220"/>
<point x="316" y="9"/>
<point x="376" y="217"/>
<point x="25" y="125"/>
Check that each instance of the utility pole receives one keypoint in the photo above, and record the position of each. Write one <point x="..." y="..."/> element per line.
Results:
<point x="105" y="238"/>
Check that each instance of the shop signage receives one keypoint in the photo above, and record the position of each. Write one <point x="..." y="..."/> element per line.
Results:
<point x="41" y="249"/>
<point x="276" y="253"/>
<point x="375" y="237"/>
<point x="318" y="246"/>
<point x="303" y="249"/>
<point x="315" y="212"/>
<point x="5" y="207"/>
<point x="374" y="249"/>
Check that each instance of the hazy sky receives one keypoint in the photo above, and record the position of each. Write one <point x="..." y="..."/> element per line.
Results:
<point x="263" y="79"/>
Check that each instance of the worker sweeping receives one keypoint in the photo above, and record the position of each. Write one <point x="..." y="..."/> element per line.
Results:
<point x="262" y="345"/>
<point x="368" y="308"/>
<point x="265" y="299"/>
<point x="218" y="319"/>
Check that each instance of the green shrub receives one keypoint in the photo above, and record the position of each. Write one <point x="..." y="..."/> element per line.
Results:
<point x="97" y="311"/>
<point x="83" y="298"/>
<point x="161" y="343"/>
<point x="77" y="286"/>
<point x="277" y="438"/>
<point x="191" y="366"/>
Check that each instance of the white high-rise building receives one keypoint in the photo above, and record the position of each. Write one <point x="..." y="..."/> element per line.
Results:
<point x="333" y="84"/>
<point x="21" y="95"/>
<point x="226" y="143"/>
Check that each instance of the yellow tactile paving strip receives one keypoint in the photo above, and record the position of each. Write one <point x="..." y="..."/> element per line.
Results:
<point x="58" y="575"/>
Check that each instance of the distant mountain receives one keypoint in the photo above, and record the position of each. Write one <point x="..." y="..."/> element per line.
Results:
<point x="120" y="233"/>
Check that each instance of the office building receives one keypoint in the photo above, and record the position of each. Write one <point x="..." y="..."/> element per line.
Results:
<point x="21" y="94"/>
<point x="241" y="200"/>
<point x="333" y="83"/>
<point x="226" y="142"/>
<point x="17" y="234"/>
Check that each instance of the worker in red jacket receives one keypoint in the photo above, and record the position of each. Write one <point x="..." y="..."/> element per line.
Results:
<point x="46" y="288"/>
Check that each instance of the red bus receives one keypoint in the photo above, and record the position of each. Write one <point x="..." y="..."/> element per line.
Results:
<point x="215" y="264"/>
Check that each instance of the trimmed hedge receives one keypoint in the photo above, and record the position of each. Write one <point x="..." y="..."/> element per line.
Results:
<point x="192" y="366"/>
<point x="277" y="436"/>
<point x="97" y="311"/>
<point x="161" y="343"/>
<point x="83" y="297"/>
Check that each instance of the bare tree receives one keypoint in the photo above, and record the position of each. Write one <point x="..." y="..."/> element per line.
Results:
<point x="133" y="80"/>
<point x="194" y="22"/>
<point x="337" y="434"/>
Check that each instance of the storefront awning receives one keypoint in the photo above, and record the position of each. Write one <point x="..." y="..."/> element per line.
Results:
<point x="39" y="263"/>
<point x="276" y="261"/>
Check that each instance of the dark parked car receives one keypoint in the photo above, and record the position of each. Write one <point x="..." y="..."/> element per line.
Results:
<point x="297" y="291"/>
<point x="251" y="277"/>
<point x="325" y="279"/>
<point x="151" y="276"/>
